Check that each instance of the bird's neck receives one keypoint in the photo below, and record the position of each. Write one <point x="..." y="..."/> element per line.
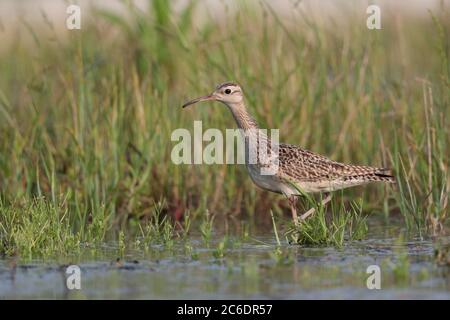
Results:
<point x="248" y="124"/>
<point x="243" y="118"/>
<point x="260" y="150"/>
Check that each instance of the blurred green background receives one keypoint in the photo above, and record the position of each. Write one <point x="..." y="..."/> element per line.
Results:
<point x="86" y="115"/>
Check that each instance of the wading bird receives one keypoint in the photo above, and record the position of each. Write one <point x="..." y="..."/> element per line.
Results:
<point x="298" y="170"/>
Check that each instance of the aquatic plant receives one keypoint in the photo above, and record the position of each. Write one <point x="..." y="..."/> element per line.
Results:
<point x="85" y="149"/>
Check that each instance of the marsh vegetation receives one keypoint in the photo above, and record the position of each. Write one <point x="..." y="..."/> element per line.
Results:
<point x="85" y="126"/>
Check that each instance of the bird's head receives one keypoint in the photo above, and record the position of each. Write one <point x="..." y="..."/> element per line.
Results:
<point x="229" y="93"/>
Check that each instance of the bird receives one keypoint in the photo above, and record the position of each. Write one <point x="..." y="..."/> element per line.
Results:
<point x="297" y="171"/>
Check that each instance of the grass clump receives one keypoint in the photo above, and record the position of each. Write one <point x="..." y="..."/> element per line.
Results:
<point x="220" y="250"/>
<point x="206" y="227"/>
<point x="330" y="227"/>
<point x="37" y="228"/>
<point x="159" y="229"/>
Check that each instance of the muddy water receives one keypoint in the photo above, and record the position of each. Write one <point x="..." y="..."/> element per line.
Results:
<point x="248" y="269"/>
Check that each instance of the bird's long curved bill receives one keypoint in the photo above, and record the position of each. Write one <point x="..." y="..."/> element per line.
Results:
<point x="204" y="98"/>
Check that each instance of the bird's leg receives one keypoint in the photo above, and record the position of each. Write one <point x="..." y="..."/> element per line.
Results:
<point x="293" y="203"/>
<point x="312" y="210"/>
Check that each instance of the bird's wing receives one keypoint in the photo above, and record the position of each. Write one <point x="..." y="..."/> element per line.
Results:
<point x="304" y="165"/>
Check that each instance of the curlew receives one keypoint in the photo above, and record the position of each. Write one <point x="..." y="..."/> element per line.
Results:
<point x="296" y="170"/>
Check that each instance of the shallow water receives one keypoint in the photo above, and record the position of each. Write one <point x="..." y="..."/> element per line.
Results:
<point x="248" y="269"/>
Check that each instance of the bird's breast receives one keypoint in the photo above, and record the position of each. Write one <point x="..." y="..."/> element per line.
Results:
<point x="269" y="182"/>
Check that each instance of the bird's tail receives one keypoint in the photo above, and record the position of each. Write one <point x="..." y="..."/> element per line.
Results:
<point x="384" y="174"/>
<point x="370" y="174"/>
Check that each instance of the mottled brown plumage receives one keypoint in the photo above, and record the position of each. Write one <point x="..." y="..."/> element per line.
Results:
<point x="304" y="167"/>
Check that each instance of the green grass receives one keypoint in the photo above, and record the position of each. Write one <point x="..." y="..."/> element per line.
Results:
<point x="330" y="226"/>
<point x="159" y="229"/>
<point x="85" y="123"/>
<point x="39" y="227"/>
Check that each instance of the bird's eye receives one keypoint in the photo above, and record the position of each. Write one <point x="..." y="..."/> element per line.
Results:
<point x="227" y="91"/>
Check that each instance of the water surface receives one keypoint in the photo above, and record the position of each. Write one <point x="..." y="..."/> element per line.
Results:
<point x="248" y="269"/>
